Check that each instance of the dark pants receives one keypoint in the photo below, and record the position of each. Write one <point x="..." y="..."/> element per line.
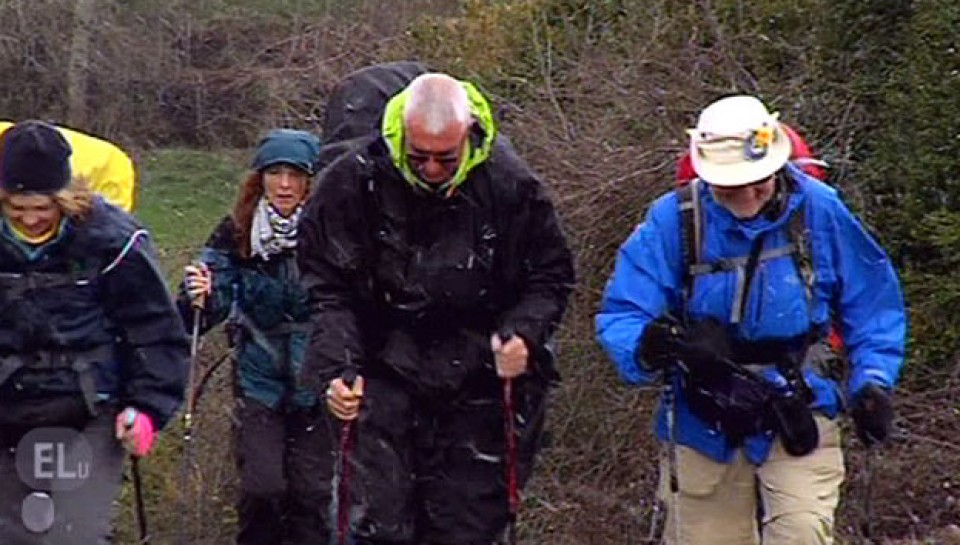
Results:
<point x="434" y="473"/>
<point x="80" y="515"/>
<point x="285" y="464"/>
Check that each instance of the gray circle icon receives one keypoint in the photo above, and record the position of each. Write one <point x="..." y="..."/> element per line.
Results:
<point x="54" y="459"/>
<point x="37" y="512"/>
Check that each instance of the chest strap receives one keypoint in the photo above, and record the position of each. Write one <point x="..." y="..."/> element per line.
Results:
<point x="82" y="362"/>
<point x="18" y="284"/>
<point x="691" y="240"/>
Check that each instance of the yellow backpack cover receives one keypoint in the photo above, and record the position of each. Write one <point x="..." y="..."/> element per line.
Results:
<point x="108" y="168"/>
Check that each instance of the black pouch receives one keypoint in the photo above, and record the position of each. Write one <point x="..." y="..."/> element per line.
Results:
<point x="793" y="421"/>
<point x="735" y="405"/>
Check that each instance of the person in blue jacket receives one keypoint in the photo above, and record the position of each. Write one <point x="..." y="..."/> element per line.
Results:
<point x="720" y="293"/>
<point x="247" y="276"/>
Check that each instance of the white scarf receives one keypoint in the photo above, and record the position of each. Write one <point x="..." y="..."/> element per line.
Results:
<point x="270" y="232"/>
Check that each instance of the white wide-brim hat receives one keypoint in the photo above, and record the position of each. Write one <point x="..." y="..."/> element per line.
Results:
<point x="737" y="142"/>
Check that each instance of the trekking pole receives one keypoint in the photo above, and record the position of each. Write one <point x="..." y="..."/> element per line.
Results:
<point x="673" y="470"/>
<point x="866" y="525"/>
<point x="669" y="394"/>
<point x="208" y="374"/>
<point x="341" y="492"/>
<point x="138" y="499"/>
<point x="509" y="431"/>
<point x="141" y="510"/>
<point x="197" y="306"/>
<point x="510" y="452"/>
<point x="660" y="507"/>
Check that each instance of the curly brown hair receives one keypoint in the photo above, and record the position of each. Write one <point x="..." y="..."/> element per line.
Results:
<point x="251" y="190"/>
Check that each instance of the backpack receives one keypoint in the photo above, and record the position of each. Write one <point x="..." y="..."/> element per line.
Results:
<point x="107" y="167"/>
<point x="355" y="107"/>
<point x="802" y="157"/>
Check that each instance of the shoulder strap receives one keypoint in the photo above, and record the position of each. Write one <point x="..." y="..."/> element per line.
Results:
<point x="802" y="253"/>
<point x="688" y="205"/>
<point x="802" y="256"/>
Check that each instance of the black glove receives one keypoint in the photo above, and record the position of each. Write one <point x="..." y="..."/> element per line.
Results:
<point x="658" y="344"/>
<point x="872" y="412"/>
<point x="704" y="345"/>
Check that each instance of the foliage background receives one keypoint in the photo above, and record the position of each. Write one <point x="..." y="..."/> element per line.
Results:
<point x="596" y="93"/>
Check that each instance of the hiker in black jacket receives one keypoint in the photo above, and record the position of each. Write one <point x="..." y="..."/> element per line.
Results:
<point x="92" y="349"/>
<point x="437" y="270"/>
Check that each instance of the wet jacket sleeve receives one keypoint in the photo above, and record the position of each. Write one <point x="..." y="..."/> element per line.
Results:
<point x="644" y="285"/>
<point x="547" y="271"/>
<point x="137" y="300"/>
<point x="329" y="255"/>
<point x="871" y="305"/>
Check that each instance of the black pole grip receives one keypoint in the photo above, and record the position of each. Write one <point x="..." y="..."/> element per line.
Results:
<point x="349" y="375"/>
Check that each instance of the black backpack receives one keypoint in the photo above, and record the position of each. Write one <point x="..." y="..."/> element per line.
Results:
<point x="355" y="107"/>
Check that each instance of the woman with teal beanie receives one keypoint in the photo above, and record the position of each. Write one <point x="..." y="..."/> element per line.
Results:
<point x="247" y="276"/>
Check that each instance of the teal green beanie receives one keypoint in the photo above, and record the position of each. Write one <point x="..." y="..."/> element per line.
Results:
<point x="288" y="146"/>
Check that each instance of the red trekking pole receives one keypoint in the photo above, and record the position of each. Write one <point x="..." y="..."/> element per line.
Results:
<point x="513" y="494"/>
<point x="341" y="492"/>
<point x="510" y="454"/>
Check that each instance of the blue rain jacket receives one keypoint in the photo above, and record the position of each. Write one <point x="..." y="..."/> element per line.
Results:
<point x="853" y="278"/>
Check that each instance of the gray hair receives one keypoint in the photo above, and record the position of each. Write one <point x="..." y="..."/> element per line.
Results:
<point x="437" y="101"/>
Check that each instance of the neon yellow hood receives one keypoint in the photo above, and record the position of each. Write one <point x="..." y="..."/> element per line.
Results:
<point x="392" y="130"/>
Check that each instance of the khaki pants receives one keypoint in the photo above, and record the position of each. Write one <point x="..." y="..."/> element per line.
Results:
<point x="717" y="502"/>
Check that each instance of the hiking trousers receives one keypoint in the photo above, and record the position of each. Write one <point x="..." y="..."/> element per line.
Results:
<point x="80" y="515"/>
<point x="429" y="472"/>
<point x="717" y="503"/>
<point x="284" y="462"/>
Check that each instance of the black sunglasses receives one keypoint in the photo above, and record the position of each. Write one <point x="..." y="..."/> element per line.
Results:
<point x="448" y="159"/>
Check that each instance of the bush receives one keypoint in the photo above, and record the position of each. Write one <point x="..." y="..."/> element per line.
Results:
<point x="596" y="94"/>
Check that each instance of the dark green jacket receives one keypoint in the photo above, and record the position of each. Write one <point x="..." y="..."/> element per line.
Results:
<point x="267" y="316"/>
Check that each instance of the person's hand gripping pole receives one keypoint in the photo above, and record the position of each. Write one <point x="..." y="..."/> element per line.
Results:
<point x="511" y="358"/>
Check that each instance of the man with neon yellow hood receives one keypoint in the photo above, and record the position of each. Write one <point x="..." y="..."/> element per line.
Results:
<point x="438" y="271"/>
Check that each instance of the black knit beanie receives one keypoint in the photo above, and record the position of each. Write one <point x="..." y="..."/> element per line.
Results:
<point x="34" y="158"/>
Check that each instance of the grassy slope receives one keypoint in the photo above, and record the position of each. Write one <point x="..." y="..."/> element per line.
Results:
<point x="183" y="195"/>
